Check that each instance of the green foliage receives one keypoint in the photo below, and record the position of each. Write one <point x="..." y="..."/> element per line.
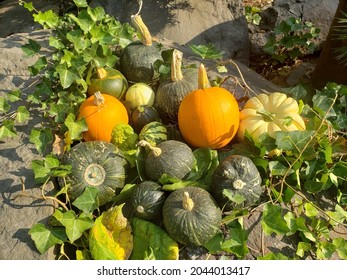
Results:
<point x="208" y="51"/>
<point x="298" y="168"/>
<point x="292" y="39"/>
<point x="252" y="15"/>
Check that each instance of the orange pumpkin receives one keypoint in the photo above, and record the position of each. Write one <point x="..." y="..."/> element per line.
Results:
<point x="102" y="113"/>
<point x="209" y="116"/>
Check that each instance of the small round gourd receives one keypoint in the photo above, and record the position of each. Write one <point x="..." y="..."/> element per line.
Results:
<point x="95" y="164"/>
<point x="147" y="200"/>
<point x="139" y="94"/>
<point x="171" y="157"/>
<point x="143" y="115"/>
<point x="238" y="176"/>
<point x="108" y="81"/>
<point x="191" y="216"/>
<point x="171" y="92"/>
<point x="154" y="133"/>
<point x="102" y="112"/>
<point x="137" y="58"/>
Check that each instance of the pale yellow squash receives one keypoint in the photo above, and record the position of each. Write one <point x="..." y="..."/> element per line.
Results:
<point x="268" y="113"/>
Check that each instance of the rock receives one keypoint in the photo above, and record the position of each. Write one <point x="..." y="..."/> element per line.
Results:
<point x="190" y="22"/>
<point x="307" y="10"/>
<point x="19" y="212"/>
<point x="17" y="19"/>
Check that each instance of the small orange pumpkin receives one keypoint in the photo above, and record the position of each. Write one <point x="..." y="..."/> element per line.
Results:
<point x="210" y="116"/>
<point x="102" y="113"/>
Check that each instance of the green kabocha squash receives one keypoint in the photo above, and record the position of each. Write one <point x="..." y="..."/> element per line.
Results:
<point x="171" y="92"/>
<point x="108" y="81"/>
<point x="147" y="200"/>
<point x="171" y="157"/>
<point x="191" y="216"/>
<point x="143" y="115"/>
<point x="95" y="164"/>
<point x="137" y="58"/>
<point x="236" y="183"/>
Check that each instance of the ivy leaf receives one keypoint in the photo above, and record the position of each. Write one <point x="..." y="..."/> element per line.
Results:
<point x="80" y="3"/>
<point x="23" y="114"/>
<point x="341" y="247"/>
<point x="67" y="75"/>
<point x="48" y="19"/>
<point x="273" y="256"/>
<point x="206" y="51"/>
<point x="302" y="248"/>
<point x="41" y="138"/>
<point x="41" y="172"/>
<point x="31" y="48"/>
<point x="75" y="127"/>
<point x="110" y="238"/>
<point x="7" y="129"/>
<point x="96" y="14"/>
<point x="4" y="105"/>
<point x="151" y="240"/>
<point x="273" y="221"/>
<point x="83" y="20"/>
<point x="38" y="66"/>
<point x="236" y="243"/>
<point x="278" y="169"/>
<point x="324" y="105"/>
<point x="87" y="201"/>
<point x="45" y="238"/>
<point x="75" y="225"/>
<point x="310" y="210"/>
<point x="296" y="141"/>
<point x="325" y="250"/>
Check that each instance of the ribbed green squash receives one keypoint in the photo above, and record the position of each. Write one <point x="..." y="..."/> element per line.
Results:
<point x="238" y="177"/>
<point x="137" y="58"/>
<point x="171" y="157"/>
<point x="191" y="216"/>
<point x="143" y="115"/>
<point x="171" y="92"/>
<point x="96" y="164"/>
<point x="147" y="200"/>
<point x="108" y="81"/>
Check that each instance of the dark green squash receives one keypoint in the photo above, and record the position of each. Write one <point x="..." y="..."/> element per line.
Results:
<point x="108" y="81"/>
<point x="147" y="200"/>
<point x="96" y="164"/>
<point x="171" y="157"/>
<point x="171" y="92"/>
<point x="191" y="216"/>
<point x="137" y="58"/>
<point x="236" y="182"/>
<point x="143" y="115"/>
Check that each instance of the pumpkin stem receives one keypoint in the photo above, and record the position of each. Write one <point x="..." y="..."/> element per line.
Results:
<point x="203" y="81"/>
<point x="176" y="72"/>
<point x="102" y="73"/>
<point x="145" y="35"/>
<point x="187" y="202"/>
<point x="267" y="116"/>
<point x="156" y="150"/>
<point x="239" y="184"/>
<point x="98" y="99"/>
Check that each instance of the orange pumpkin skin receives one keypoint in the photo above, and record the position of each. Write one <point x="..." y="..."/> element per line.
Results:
<point x="102" y="118"/>
<point x="209" y="117"/>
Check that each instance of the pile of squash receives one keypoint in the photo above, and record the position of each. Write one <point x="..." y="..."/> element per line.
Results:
<point x="206" y="117"/>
